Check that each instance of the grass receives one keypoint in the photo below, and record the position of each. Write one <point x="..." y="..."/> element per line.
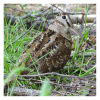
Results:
<point x="12" y="53"/>
<point x="45" y="89"/>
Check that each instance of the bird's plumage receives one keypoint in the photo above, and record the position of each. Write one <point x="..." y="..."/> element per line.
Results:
<point x="56" y="38"/>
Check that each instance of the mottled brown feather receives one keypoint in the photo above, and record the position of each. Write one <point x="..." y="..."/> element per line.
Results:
<point x="59" y="42"/>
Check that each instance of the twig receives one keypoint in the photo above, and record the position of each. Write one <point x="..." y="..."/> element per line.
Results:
<point x="25" y="92"/>
<point x="21" y="6"/>
<point x="72" y="87"/>
<point x="61" y="85"/>
<point x="54" y="73"/>
<point x="89" y="77"/>
<point x="25" y="32"/>
<point x="91" y="26"/>
<point x="57" y="84"/>
<point x="88" y="8"/>
<point x="71" y="13"/>
<point x="90" y="59"/>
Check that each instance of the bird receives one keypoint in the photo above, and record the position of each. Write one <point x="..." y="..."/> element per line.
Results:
<point x="50" y="50"/>
<point x="52" y="47"/>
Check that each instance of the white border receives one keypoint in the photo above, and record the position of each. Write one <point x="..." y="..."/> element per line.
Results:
<point x="43" y="2"/>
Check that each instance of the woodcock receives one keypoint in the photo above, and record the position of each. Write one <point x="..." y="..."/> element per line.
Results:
<point x="56" y="39"/>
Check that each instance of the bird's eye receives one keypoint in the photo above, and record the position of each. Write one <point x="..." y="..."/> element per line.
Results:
<point x="64" y="17"/>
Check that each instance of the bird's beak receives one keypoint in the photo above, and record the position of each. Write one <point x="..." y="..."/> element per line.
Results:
<point x="75" y="31"/>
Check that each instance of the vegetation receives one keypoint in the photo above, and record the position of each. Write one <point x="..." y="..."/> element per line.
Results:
<point x="11" y="54"/>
